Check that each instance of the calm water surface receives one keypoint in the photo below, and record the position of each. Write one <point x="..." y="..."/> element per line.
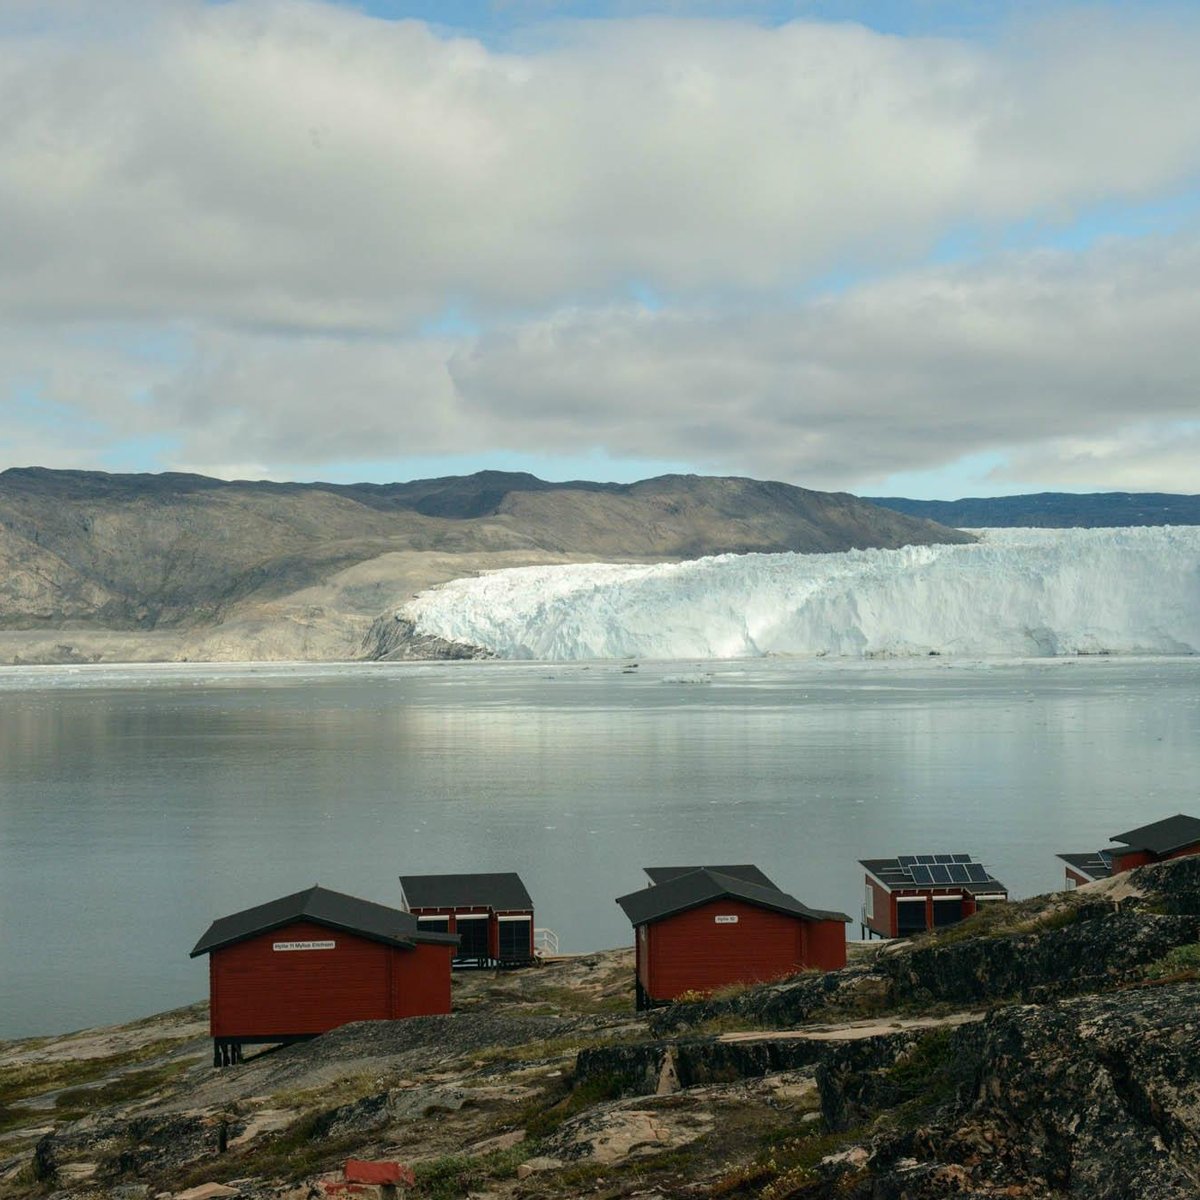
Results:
<point x="138" y="804"/>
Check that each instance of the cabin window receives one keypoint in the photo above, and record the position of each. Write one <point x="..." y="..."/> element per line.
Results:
<point x="473" y="936"/>
<point x="869" y="902"/>
<point x="434" y="924"/>
<point x="514" y="938"/>
<point x="947" y="910"/>
<point x="910" y="915"/>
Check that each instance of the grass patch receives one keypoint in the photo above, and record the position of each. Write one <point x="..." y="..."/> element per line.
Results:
<point x="1176" y="965"/>
<point x="36" y="1079"/>
<point x="785" y="1166"/>
<point x="540" y="1119"/>
<point x="291" y="1155"/>
<point x="456" y="1175"/>
<point x="546" y="1049"/>
<point x="131" y="1086"/>
<point x="1005" y="920"/>
<point x="585" y="1003"/>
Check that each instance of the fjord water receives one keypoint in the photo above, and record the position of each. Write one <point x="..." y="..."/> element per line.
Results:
<point x="136" y="804"/>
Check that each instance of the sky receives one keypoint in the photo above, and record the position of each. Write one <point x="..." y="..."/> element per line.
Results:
<point x="932" y="248"/>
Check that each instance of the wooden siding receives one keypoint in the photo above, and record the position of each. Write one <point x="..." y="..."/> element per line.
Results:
<point x="421" y="980"/>
<point x="1140" y="858"/>
<point x="478" y="911"/>
<point x="256" y="991"/>
<point x="886" y="920"/>
<point x="690" y="951"/>
<point x="824" y="945"/>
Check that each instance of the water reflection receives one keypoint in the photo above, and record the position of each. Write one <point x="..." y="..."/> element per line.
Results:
<point x="134" y="811"/>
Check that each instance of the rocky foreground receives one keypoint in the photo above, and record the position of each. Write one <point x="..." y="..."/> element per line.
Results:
<point x="1049" y="1048"/>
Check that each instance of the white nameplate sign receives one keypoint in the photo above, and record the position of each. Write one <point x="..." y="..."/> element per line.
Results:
<point x="304" y="946"/>
<point x="725" y="920"/>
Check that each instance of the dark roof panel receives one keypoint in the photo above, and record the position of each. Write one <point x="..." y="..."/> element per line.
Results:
<point x="699" y="887"/>
<point x="747" y="872"/>
<point x="323" y="907"/>
<point x="1161" y="837"/>
<point x="502" y="890"/>
<point x="1094" y="865"/>
<point x="905" y="871"/>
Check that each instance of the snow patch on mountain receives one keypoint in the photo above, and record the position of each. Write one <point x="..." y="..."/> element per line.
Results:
<point x="1017" y="592"/>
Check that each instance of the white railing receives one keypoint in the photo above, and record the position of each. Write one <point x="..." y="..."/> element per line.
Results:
<point x="545" y="941"/>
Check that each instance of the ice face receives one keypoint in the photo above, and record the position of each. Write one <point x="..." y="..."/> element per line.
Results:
<point x="1018" y="592"/>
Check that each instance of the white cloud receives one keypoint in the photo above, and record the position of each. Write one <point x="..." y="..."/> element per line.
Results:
<point x="1049" y="355"/>
<point x="297" y="190"/>
<point x="263" y="163"/>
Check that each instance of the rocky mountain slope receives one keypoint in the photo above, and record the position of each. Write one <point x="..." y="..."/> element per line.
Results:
<point x="137" y="567"/>
<point x="1055" y="510"/>
<point x="1049" y="1048"/>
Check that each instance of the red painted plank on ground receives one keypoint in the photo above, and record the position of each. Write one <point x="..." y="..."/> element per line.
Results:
<point x="359" y="1171"/>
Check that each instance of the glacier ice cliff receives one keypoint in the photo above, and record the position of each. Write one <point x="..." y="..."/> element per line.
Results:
<point x="1017" y="592"/>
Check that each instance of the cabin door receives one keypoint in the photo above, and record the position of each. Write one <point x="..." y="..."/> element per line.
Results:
<point x="473" y="938"/>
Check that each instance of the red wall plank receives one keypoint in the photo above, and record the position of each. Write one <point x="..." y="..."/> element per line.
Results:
<point x="692" y="952"/>
<point x="256" y="991"/>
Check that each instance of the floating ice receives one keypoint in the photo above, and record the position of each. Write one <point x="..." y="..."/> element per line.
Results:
<point x="1017" y="592"/>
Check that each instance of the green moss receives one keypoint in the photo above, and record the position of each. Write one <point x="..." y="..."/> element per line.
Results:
<point x="36" y="1079"/>
<point x="785" y="1166"/>
<point x="457" y="1175"/>
<point x="544" y="1116"/>
<point x="131" y="1086"/>
<point x="1181" y="963"/>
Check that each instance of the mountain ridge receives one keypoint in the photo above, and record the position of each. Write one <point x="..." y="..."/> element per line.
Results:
<point x="107" y="567"/>
<point x="1054" y="510"/>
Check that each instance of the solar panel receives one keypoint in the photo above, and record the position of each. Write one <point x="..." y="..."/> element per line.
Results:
<point x="906" y="860"/>
<point x="976" y="874"/>
<point x="926" y="858"/>
<point x="958" y="873"/>
<point x="960" y="858"/>
<point x="943" y="858"/>
<point x="940" y="874"/>
<point x="920" y="874"/>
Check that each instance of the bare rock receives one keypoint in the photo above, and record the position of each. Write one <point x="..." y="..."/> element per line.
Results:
<point x="534" y="1166"/>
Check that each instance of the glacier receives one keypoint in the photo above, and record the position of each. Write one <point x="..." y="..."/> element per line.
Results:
<point x="1014" y="593"/>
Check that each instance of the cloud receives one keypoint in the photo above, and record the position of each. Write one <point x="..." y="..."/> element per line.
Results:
<point x="1049" y="355"/>
<point x="260" y="164"/>
<point x="294" y="194"/>
<point x="1142" y="457"/>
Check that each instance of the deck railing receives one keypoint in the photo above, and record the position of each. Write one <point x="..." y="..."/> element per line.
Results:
<point x="545" y="941"/>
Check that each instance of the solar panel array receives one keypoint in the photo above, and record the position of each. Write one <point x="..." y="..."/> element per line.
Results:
<point x="939" y="869"/>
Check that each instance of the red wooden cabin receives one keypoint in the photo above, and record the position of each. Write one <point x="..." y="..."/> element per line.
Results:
<point x="1087" y="868"/>
<point x="491" y="914"/>
<point x="304" y="964"/>
<point x="915" y="892"/>
<point x="1174" y="837"/>
<point x="701" y="928"/>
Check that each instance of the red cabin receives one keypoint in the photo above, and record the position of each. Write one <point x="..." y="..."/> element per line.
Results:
<point x="304" y="964"/>
<point x="915" y="892"/>
<point x="1172" y="837"/>
<point x="1087" y="868"/>
<point x="491" y="914"/>
<point x="697" y="929"/>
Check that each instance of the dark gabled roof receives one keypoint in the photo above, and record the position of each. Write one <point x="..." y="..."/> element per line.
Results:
<point x="323" y="907"/>
<point x="747" y="872"/>
<point x="1172" y="833"/>
<point x="1097" y="865"/>
<point x="699" y="887"/>
<point x="893" y="873"/>
<point x="501" y="891"/>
